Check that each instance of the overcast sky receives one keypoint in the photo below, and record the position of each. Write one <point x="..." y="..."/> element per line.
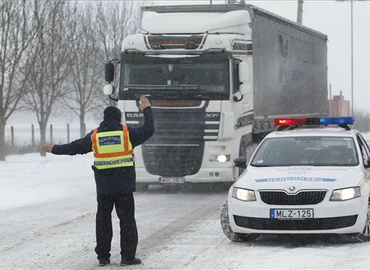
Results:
<point x="333" y="19"/>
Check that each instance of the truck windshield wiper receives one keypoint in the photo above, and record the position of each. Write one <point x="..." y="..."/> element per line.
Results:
<point x="202" y="93"/>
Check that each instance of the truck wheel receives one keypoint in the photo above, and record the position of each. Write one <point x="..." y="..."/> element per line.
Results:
<point x="225" y="224"/>
<point x="141" y="187"/>
<point x="246" y="150"/>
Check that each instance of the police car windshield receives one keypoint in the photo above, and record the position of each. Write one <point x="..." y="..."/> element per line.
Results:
<point x="306" y="151"/>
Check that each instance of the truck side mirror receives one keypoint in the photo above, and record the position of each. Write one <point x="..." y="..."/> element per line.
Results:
<point x="243" y="72"/>
<point x="109" y="72"/>
<point x="244" y="86"/>
<point x="108" y="89"/>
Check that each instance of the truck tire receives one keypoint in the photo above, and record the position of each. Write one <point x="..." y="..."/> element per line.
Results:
<point x="225" y="224"/>
<point x="246" y="150"/>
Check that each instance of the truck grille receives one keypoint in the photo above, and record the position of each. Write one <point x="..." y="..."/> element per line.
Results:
<point x="177" y="146"/>
<point x="173" y="161"/>
<point x="301" y="198"/>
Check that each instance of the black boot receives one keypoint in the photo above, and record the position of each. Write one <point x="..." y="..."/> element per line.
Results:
<point x="103" y="262"/>
<point x="130" y="262"/>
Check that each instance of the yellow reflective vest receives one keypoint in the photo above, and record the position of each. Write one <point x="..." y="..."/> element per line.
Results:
<point x="112" y="149"/>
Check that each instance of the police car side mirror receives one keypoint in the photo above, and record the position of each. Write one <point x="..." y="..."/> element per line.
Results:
<point x="368" y="163"/>
<point x="240" y="162"/>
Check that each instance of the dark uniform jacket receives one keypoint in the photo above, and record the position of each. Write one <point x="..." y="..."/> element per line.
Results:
<point x="117" y="180"/>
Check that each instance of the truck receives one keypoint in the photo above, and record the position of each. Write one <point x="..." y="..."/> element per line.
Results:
<point x="216" y="77"/>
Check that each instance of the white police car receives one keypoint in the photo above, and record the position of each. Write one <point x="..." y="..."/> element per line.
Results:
<point x="307" y="177"/>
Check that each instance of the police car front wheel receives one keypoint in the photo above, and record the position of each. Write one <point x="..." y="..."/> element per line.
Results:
<point x="225" y="224"/>
<point x="364" y="236"/>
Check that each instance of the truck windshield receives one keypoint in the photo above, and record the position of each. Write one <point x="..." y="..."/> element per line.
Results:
<point x="191" y="77"/>
<point x="306" y="151"/>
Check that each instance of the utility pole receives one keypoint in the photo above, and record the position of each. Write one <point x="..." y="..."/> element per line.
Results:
<point x="300" y="12"/>
<point x="352" y="106"/>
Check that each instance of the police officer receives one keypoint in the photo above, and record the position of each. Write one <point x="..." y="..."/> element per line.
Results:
<point x="114" y="171"/>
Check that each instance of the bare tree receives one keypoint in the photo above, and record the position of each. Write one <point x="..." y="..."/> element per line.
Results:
<point x="48" y="67"/>
<point x="86" y="76"/>
<point x="97" y="31"/>
<point x="114" y="21"/>
<point x="362" y="120"/>
<point x="14" y="39"/>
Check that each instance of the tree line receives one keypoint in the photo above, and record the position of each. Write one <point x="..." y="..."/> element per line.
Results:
<point x="362" y="120"/>
<point x="52" y="56"/>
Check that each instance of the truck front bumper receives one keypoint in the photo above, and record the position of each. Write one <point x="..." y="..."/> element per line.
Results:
<point x="204" y="175"/>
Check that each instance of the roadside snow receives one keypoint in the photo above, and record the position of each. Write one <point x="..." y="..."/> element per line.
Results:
<point x="30" y="178"/>
<point x="47" y="221"/>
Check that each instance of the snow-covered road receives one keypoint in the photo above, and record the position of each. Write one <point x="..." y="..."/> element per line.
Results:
<point x="47" y="221"/>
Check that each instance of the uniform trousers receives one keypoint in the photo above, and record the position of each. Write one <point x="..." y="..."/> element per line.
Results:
<point x="125" y="209"/>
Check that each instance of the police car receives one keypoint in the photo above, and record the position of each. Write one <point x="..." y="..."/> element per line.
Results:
<point x="310" y="176"/>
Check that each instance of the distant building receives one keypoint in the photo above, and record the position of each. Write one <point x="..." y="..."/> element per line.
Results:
<point x="338" y="106"/>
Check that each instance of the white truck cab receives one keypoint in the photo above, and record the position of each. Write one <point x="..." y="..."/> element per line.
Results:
<point x="216" y="76"/>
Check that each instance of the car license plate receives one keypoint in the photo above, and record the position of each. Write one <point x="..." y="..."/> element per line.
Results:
<point x="291" y="213"/>
<point x="171" y="180"/>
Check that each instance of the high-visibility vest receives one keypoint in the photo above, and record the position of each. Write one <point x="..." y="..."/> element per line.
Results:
<point x="112" y="149"/>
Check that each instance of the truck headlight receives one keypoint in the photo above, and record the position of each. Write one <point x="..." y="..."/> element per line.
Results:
<point x="219" y="158"/>
<point x="345" y="194"/>
<point x="244" y="194"/>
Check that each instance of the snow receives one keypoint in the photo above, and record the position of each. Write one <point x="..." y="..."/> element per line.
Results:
<point x="47" y="221"/>
<point x="30" y="178"/>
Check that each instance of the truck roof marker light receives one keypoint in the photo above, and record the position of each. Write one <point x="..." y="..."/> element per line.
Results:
<point x="289" y="121"/>
<point x="337" y="120"/>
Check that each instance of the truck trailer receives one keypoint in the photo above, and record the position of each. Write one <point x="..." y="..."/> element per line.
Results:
<point x="216" y="77"/>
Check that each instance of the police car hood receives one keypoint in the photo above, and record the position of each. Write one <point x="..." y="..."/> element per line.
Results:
<point x="257" y="178"/>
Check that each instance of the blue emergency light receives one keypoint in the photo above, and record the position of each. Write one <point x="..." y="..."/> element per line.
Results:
<point x="337" y="121"/>
<point x="314" y="121"/>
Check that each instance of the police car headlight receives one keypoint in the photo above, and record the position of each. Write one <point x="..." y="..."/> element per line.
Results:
<point x="244" y="194"/>
<point x="219" y="158"/>
<point x="345" y="194"/>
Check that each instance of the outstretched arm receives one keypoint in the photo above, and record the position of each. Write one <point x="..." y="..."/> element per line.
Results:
<point x="80" y="146"/>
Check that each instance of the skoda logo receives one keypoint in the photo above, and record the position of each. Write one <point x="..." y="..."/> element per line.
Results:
<point x="291" y="188"/>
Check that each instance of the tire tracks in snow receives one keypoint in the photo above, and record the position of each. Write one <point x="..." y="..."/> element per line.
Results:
<point x="161" y="238"/>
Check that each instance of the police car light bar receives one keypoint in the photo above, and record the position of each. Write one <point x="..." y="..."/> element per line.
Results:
<point x="314" y="121"/>
<point x="337" y="121"/>
<point x="289" y="121"/>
